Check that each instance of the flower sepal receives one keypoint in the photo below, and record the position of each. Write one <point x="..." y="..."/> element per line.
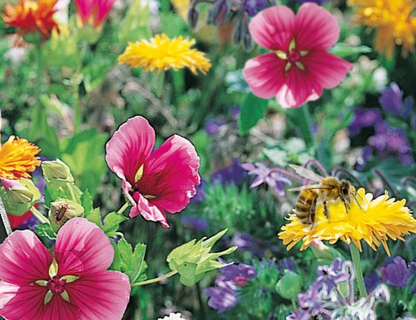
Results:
<point x="19" y="195"/>
<point x="193" y="259"/>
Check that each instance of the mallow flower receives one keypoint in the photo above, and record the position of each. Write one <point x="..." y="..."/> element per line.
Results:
<point x="72" y="284"/>
<point x="94" y="11"/>
<point x="154" y="181"/>
<point x="298" y="66"/>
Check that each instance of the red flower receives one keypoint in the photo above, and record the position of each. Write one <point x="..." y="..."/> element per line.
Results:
<point x="153" y="181"/>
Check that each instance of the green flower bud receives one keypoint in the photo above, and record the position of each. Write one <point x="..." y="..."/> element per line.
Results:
<point x="19" y="195"/>
<point x="63" y="210"/>
<point x="192" y="260"/>
<point x="289" y="285"/>
<point x="56" y="170"/>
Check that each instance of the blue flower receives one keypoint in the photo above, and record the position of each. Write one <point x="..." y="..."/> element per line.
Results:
<point x="396" y="272"/>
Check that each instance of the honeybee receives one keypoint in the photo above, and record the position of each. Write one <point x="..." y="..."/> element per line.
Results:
<point x="328" y="189"/>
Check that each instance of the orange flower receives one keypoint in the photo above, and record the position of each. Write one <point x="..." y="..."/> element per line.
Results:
<point x="17" y="158"/>
<point x="31" y="16"/>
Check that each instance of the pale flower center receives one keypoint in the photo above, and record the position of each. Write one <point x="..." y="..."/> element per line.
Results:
<point x="55" y="284"/>
<point x="292" y="56"/>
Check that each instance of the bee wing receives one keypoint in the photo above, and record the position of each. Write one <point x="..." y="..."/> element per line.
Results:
<point x="312" y="186"/>
<point x="306" y="173"/>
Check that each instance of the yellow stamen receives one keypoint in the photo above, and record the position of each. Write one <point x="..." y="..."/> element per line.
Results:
<point x="139" y="173"/>
<point x="281" y="54"/>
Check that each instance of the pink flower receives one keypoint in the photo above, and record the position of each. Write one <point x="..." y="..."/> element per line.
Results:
<point x="75" y="284"/>
<point x="299" y="65"/>
<point x="155" y="181"/>
<point x="94" y="11"/>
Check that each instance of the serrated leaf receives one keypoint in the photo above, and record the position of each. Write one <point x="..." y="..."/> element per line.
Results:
<point x="252" y="110"/>
<point x="112" y="223"/>
<point x="95" y="217"/>
<point x="45" y="230"/>
<point x="138" y="257"/>
<point x="86" y="202"/>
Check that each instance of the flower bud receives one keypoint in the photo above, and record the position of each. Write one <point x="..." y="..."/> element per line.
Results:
<point x="289" y="285"/>
<point x="56" y="170"/>
<point x="218" y="12"/>
<point x="193" y="16"/>
<point x="19" y="195"/>
<point x="63" y="210"/>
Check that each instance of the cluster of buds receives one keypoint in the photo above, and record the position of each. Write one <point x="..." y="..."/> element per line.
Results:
<point x="237" y="12"/>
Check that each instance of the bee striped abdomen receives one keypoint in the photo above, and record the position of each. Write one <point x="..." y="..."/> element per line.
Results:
<point x="305" y="206"/>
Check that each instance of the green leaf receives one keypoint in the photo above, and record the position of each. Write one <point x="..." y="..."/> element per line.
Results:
<point x="95" y="217"/>
<point x="344" y="50"/>
<point x="112" y="223"/>
<point x="45" y="230"/>
<point x="132" y="262"/>
<point x="86" y="202"/>
<point x="252" y="110"/>
<point x="116" y="264"/>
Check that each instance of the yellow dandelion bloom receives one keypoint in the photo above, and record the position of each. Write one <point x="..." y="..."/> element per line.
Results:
<point x="374" y="221"/>
<point x="393" y="21"/>
<point x="17" y="158"/>
<point x="161" y="53"/>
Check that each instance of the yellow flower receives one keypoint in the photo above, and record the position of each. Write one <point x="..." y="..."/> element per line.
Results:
<point x="393" y="21"/>
<point x="374" y="221"/>
<point x="17" y="158"/>
<point x="161" y="53"/>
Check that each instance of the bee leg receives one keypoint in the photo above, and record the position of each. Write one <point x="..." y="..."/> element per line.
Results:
<point x="325" y="209"/>
<point x="346" y="204"/>
<point x="312" y="212"/>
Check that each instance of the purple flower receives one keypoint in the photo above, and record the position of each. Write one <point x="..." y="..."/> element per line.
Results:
<point x="328" y="275"/>
<point x="365" y="118"/>
<point x="372" y="281"/>
<point x="235" y="112"/>
<point x="194" y="223"/>
<point x="392" y="141"/>
<point x="392" y="101"/>
<point x="286" y="264"/>
<point x="224" y="295"/>
<point x="232" y="174"/>
<point x="252" y="7"/>
<point x="213" y="126"/>
<point x="309" y="306"/>
<point x="396" y="272"/>
<point x="265" y="175"/>
<point x="220" y="299"/>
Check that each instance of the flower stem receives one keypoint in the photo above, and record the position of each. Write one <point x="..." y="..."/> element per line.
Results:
<point x="39" y="72"/>
<point x="355" y="255"/>
<point x="39" y="216"/>
<point x="123" y="208"/>
<point x="301" y="118"/>
<point x="165" y="276"/>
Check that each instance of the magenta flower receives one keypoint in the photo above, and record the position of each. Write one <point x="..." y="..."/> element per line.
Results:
<point x="94" y="11"/>
<point x="299" y="66"/>
<point x="75" y="284"/>
<point x="153" y="181"/>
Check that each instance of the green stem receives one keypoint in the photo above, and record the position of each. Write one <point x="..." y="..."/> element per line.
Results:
<point x="123" y="208"/>
<point x="39" y="72"/>
<point x="301" y="118"/>
<point x="355" y="255"/>
<point x="39" y="216"/>
<point x="295" y="307"/>
<point x="165" y="276"/>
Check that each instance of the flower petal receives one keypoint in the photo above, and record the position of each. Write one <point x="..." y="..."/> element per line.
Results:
<point x="300" y="87"/>
<point x="129" y="147"/>
<point x="273" y="28"/>
<point x="103" y="8"/>
<point x="85" y="8"/>
<point x="328" y="69"/>
<point x="82" y="248"/>
<point x="265" y="75"/>
<point x="22" y="302"/>
<point x="176" y="164"/>
<point x="24" y="259"/>
<point x="103" y="295"/>
<point x="149" y="211"/>
<point x="315" y="28"/>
